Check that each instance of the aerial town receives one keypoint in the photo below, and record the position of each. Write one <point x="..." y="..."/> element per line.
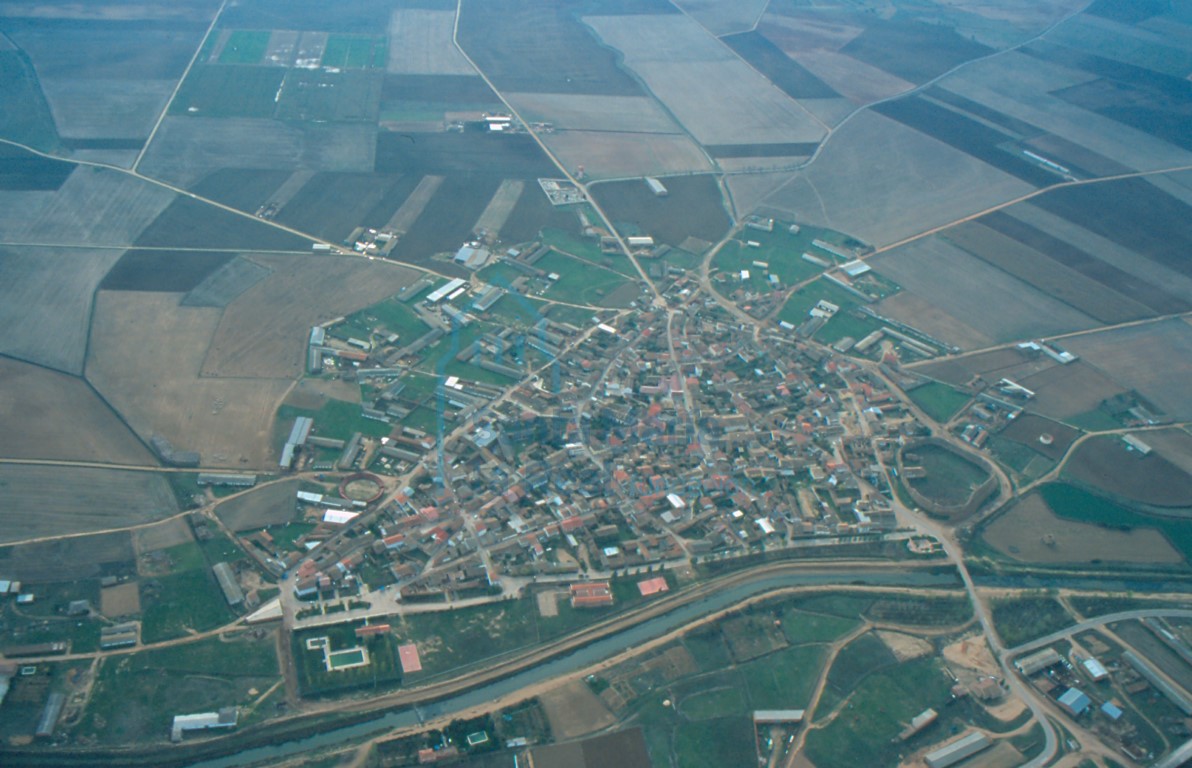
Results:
<point x="588" y="383"/>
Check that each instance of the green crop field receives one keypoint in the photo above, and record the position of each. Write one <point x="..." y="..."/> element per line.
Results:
<point x="355" y="52"/>
<point x="939" y="401"/>
<point x="245" y="47"/>
<point x="175" y="604"/>
<point x="26" y="116"/>
<point x="803" y="628"/>
<point x="337" y="419"/>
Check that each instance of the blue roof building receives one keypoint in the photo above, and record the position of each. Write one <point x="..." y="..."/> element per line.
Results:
<point x="1112" y="712"/>
<point x="1074" y="701"/>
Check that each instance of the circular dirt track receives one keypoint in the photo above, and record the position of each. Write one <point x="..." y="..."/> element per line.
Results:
<point x="362" y="486"/>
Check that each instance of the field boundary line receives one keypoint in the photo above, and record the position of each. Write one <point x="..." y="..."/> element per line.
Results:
<point x="178" y="86"/>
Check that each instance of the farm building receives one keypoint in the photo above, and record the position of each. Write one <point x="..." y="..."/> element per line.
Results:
<point x="437" y="295"/>
<point x="1144" y="668"/>
<point x="118" y="635"/>
<point x="656" y="186"/>
<point x="408" y="656"/>
<point x="775" y="716"/>
<point x="1038" y="661"/>
<point x="231" y="479"/>
<point x="1074" y="702"/>
<point x="1095" y="669"/>
<point x="227" y="582"/>
<point x="224" y="718"/>
<point x="49" y="715"/>
<point x="594" y="595"/>
<point x="958" y="750"/>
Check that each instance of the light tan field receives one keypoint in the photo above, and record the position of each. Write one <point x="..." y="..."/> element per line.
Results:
<point x="618" y="155"/>
<point x="636" y="114"/>
<point x="41" y="501"/>
<point x="146" y="358"/>
<point x="499" y="207"/>
<point x="1020" y="86"/>
<point x="1155" y="359"/>
<point x="60" y="417"/>
<point x="120" y="600"/>
<point x="263" y="332"/>
<point x="851" y="78"/>
<point x="45" y="302"/>
<point x="95" y="206"/>
<point x="420" y="44"/>
<point x="905" y="647"/>
<point x="882" y="182"/>
<point x="1020" y="534"/>
<point x="990" y="301"/>
<point x="718" y="97"/>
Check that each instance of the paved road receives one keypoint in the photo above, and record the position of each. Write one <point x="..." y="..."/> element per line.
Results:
<point x="1094" y="623"/>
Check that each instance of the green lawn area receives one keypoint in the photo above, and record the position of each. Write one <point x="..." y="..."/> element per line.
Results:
<point x="856" y="661"/>
<point x="877" y="711"/>
<point x="951" y="479"/>
<point x="136" y="695"/>
<point x="338" y="419"/>
<point x="784" y="679"/>
<point x="174" y="604"/>
<point x="725" y="742"/>
<point x="802" y="628"/>
<point x="801" y="301"/>
<point x="1096" y="420"/>
<point x="245" y="47"/>
<point x="939" y="401"/>
<point x="588" y="250"/>
<point x="1021" y="619"/>
<point x="579" y="282"/>
<point x="393" y="316"/>
<point x="719" y="702"/>
<point x="1075" y="503"/>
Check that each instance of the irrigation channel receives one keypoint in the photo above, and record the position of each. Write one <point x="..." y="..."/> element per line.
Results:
<point x="584" y="657"/>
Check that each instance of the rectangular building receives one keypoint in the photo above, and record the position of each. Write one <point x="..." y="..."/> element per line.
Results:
<point x="227" y="582"/>
<point x="958" y="750"/>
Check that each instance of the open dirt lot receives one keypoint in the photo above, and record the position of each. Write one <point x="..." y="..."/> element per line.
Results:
<point x="263" y="332"/>
<point x="146" y="357"/>
<point x="52" y="501"/>
<point x="719" y="98"/>
<point x="1020" y="534"/>
<point x="1107" y="463"/>
<point x="95" y="206"/>
<point x="186" y="149"/>
<point x="120" y="600"/>
<point x="990" y="301"/>
<point x="617" y="155"/>
<point x="573" y="710"/>
<point x="905" y="647"/>
<point x="926" y="315"/>
<point x="269" y="505"/>
<point x="635" y="114"/>
<point x="45" y="302"/>
<point x="59" y="417"/>
<point x="1155" y="359"/>
<point x="868" y="181"/>
<point x="420" y="44"/>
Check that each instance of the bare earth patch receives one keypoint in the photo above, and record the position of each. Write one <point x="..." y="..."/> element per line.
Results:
<point x="120" y="600"/>
<point x="905" y="647"/>
<point x="573" y="710"/>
